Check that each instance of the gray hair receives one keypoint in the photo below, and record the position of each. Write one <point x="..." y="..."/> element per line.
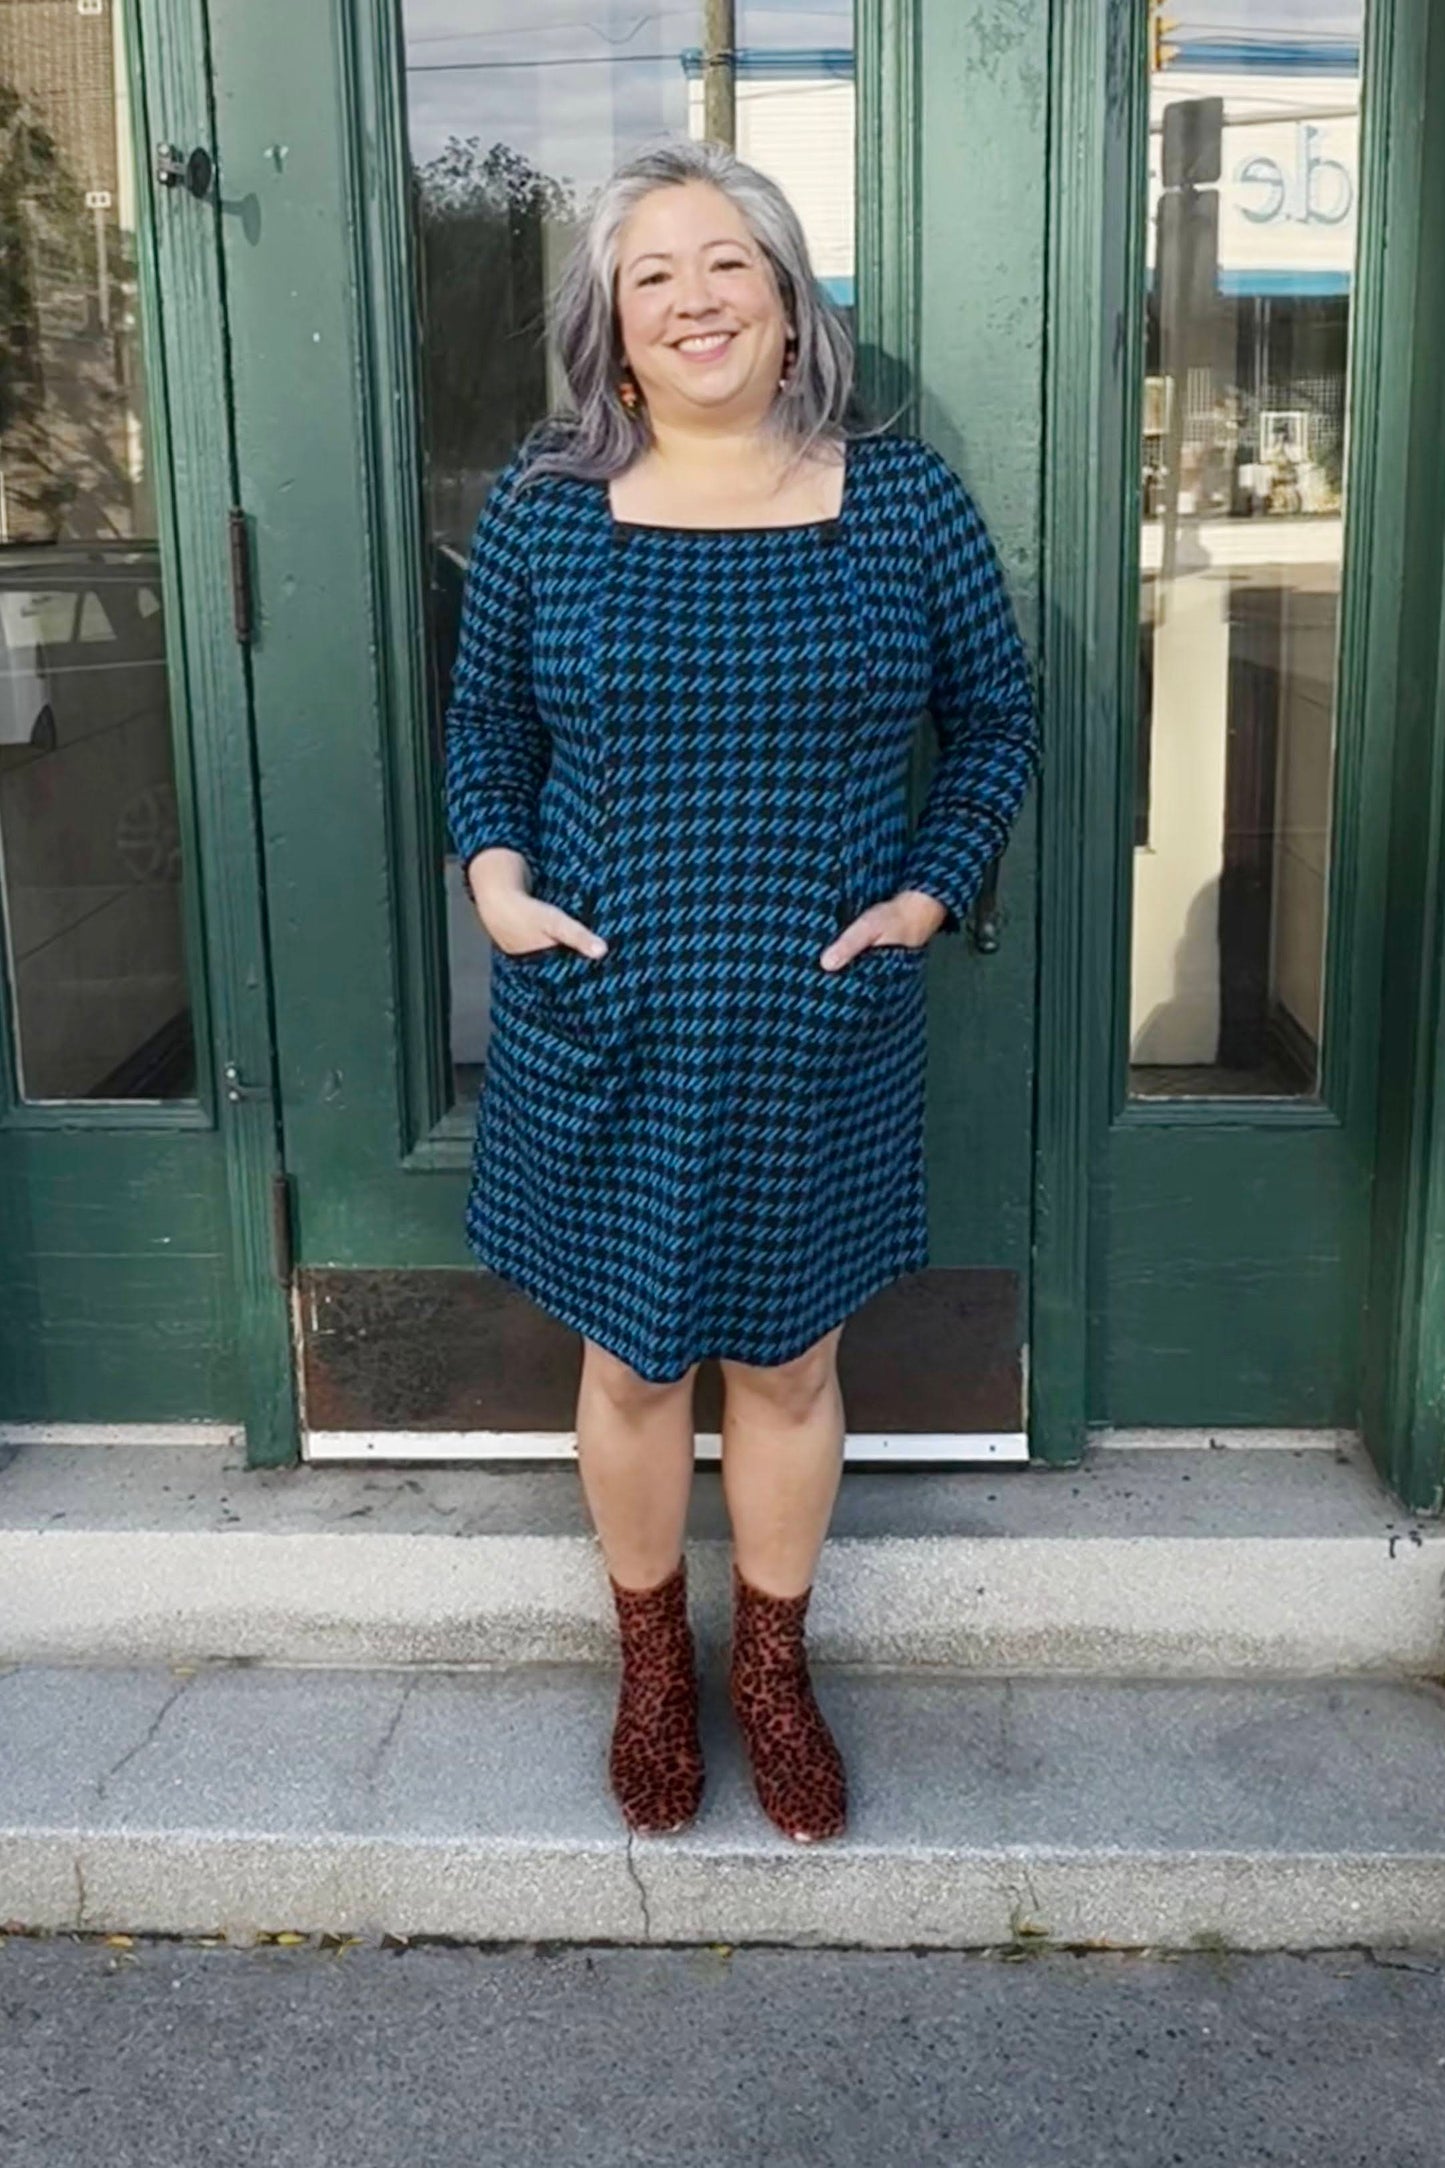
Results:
<point x="601" y="437"/>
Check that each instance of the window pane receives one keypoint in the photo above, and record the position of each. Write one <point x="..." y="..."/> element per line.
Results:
<point x="1253" y="182"/>
<point x="515" y="115"/>
<point x="90" y="874"/>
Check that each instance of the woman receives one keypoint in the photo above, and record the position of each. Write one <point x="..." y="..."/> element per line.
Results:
<point x="702" y="617"/>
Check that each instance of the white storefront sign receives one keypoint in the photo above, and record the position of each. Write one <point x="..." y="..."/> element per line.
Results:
<point x="1289" y="176"/>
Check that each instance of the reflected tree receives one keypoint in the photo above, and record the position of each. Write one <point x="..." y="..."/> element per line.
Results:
<point x="69" y="372"/>
<point x="489" y="226"/>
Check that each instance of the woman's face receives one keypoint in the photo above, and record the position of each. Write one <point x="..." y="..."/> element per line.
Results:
<point x="699" y="311"/>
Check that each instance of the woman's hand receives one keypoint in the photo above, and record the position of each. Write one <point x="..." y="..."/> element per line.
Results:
<point x="911" y="918"/>
<point x="512" y="918"/>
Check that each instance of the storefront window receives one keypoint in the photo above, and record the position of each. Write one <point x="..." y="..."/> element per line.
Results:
<point x="1253" y="188"/>
<point x="515" y="115"/>
<point x="90" y="860"/>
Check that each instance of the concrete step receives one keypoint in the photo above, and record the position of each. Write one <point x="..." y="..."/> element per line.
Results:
<point x="237" y="1800"/>
<point x="1150" y="1561"/>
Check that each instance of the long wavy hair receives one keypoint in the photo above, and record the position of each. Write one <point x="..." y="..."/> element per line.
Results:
<point x="599" y="436"/>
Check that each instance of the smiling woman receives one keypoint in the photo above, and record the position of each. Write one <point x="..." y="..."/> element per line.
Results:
<point x="677" y="749"/>
<point x="701" y="322"/>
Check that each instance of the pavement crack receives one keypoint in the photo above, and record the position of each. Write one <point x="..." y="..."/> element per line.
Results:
<point x="641" y="1888"/>
<point x="144" y="1741"/>
<point x="384" y="1743"/>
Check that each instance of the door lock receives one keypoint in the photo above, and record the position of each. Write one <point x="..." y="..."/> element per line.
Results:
<point x="238" y="1089"/>
<point x="194" y="170"/>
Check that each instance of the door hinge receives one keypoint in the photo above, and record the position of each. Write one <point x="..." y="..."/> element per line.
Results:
<point x="240" y="575"/>
<point x="282" y="1234"/>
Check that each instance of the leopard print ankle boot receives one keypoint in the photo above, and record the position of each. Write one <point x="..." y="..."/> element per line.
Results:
<point x="797" y="1770"/>
<point x="655" y="1759"/>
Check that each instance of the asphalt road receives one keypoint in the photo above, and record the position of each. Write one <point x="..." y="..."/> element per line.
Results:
<point x="171" y="2053"/>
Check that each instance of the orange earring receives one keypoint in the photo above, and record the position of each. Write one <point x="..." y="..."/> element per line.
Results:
<point x="628" y="393"/>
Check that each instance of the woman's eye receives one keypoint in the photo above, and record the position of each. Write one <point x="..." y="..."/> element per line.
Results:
<point x="650" y="278"/>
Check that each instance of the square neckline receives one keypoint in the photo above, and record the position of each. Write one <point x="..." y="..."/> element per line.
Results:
<point x="825" y="526"/>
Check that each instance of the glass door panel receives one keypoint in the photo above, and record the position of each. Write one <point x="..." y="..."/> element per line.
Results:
<point x="1253" y="183"/>
<point x="514" y="117"/>
<point x="90" y="860"/>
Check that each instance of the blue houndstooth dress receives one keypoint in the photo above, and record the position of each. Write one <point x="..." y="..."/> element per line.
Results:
<point x="704" y="1143"/>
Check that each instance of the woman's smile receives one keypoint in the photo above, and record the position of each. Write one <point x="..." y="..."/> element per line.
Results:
<point x="703" y="345"/>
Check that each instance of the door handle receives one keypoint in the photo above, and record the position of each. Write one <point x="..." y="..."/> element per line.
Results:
<point x="194" y="170"/>
<point x="983" y="917"/>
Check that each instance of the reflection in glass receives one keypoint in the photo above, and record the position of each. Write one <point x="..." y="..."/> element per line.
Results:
<point x="89" y="852"/>
<point x="1253" y="178"/>
<point x="515" y="115"/>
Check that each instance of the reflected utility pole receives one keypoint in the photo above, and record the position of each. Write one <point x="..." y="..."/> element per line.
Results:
<point x="1186" y="269"/>
<point x="719" y="73"/>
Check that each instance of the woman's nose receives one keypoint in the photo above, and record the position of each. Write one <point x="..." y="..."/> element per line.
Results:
<point x="694" y="296"/>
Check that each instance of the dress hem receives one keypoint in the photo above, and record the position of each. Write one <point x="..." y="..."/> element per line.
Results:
<point x="913" y="1260"/>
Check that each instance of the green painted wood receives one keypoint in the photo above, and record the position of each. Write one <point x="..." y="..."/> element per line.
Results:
<point x="187" y="237"/>
<point x="1216" y="1252"/>
<point x="1289" y="1195"/>
<point x="306" y="459"/>
<point x="1404" y="1390"/>
<point x="982" y="129"/>
<point x="115" y="1281"/>
<point x="132" y="1285"/>
<point x="1090" y="426"/>
<point x="1273" y="1273"/>
<point x="888" y="185"/>
<point x="321" y="318"/>
<point x="380" y="261"/>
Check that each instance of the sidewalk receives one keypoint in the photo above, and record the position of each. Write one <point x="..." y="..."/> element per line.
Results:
<point x="166" y="2055"/>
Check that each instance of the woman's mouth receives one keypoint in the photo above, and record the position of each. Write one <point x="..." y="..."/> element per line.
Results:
<point x="703" y="345"/>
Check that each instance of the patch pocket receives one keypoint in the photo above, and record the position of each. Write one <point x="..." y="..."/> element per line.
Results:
<point x="871" y="1002"/>
<point x="523" y="956"/>
<point x="552" y="1051"/>
<point x="887" y="960"/>
<point x="549" y="985"/>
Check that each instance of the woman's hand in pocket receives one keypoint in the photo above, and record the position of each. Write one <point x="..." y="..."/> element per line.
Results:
<point x="513" y="919"/>
<point x="907" y="920"/>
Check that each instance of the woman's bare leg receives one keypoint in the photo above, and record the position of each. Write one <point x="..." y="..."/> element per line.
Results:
<point x="782" y="1460"/>
<point x="783" y="1436"/>
<point x="635" y="1454"/>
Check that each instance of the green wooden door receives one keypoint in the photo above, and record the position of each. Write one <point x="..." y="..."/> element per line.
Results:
<point x="137" y="1274"/>
<point x="1239" y="975"/>
<point x="409" y="180"/>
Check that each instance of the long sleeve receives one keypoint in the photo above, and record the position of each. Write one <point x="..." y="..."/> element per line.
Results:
<point x="497" y="748"/>
<point x="982" y="703"/>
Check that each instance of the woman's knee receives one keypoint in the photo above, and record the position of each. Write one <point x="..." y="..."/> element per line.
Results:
<point x="792" y="1388"/>
<point x="625" y="1387"/>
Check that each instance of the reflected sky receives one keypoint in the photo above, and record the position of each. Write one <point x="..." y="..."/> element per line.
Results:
<point x="1255" y="19"/>
<point x="576" y="85"/>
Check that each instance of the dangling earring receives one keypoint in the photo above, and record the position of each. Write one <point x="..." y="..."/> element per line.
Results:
<point x="628" y="393"/>
<point x="790" y="357"/>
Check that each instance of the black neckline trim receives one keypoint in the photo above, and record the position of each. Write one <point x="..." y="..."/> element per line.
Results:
<point x="827" y="528"/>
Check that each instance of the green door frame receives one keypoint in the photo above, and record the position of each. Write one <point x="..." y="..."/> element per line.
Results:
<point x="1121" y="1193"/>
<point x="211" y="543"/>
<point x="138" y="1258"/>
<point x="379" y="1151"/>
<point x="1125" y="1195"/>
